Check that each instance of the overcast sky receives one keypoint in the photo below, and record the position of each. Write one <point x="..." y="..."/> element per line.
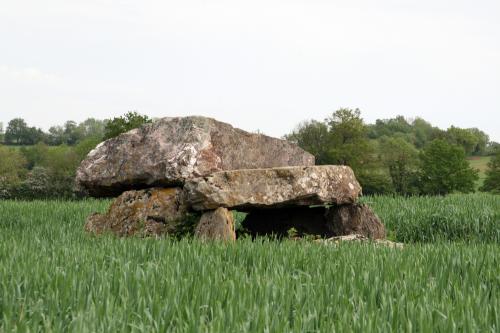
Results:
<point x="263" y="65"/>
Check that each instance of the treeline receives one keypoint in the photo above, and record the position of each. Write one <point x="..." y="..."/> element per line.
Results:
<point x="399" y="156"/>
<point x="41" y="165"/>
<point x="392" y="156"/>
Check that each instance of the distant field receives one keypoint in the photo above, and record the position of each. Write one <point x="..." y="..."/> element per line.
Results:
<point x="480" y="163"/>
<point x="55" y="278"/>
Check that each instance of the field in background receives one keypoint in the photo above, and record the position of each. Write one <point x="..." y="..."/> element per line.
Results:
<point x="54" y="277"/>
<point x="480" y="163"/>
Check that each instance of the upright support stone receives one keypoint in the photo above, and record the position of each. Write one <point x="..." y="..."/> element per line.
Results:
<point x="150" y="212"/>
<point x="216" y="225"/>
<point x="355" y="219"/>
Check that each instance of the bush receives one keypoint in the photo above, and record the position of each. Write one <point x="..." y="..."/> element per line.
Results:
<point x="492" y="181"/>
<point x="375" y="183"/>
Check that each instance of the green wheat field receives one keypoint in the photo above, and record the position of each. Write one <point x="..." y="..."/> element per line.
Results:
<point x="55" y="278"/>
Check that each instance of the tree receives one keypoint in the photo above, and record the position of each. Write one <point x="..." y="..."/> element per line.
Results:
<point x="349" y="143"/>
<point x="72" y="133"/>
<point x="401" y="158"/>
<point x="16" y="131"/>
<point x="445" y="169"/>
<point x="482" y="140"/>
<point x="92" y="128"/>
<point x="1" y="132"/>
<point x="19" y="133"/>
<point x="312" y="136"/>
<point x="124" y="124"/>
<point x="56" y="136"/>
<point x="35" y="155"/>
<point x="11" y="170"/>
<point x="492" y="181"/>
<point x="462" y="137"/>
<point x="389" y="127"/>
<point x="85" y="146"/>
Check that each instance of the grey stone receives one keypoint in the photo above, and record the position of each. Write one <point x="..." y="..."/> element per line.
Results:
<point x="273" y="188"/>
<point x="172" y="150"/>
<point x="355" y="219"/>
<point x="216" y="225"/>
<point x="151" y="212"/>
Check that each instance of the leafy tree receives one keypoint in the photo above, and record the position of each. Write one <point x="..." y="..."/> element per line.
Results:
<point x="492" y="181"/>
<point x="375" y="182"/>
<point x="85" y="146"/>
<point x="312" y="136"/>
<point x="482" y="140"/>
<point x="35" y="155"/>
<point x="16" y="131"/>
<point x="124" y="124"/>
<point x="462" y="137"/>
<point x="56" y="136"/>
<point x="72" y="133"/>
<point x="492" y="148"/>
<point x="445" y="169"/>
<point x="389" y="127"/>
<point x="1" y="132"/>
<point x="61" y="164"/>
<point x="11" y="170"/>
<point x="92" y="128"/>
<point x="349" y="143"/>
<point x="401" y="158"/>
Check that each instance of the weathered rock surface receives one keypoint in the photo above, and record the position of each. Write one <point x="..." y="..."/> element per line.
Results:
<point x="216" y="225"/>
<point x="172" y="150"/>
<point x="355" y="219"/>
<point x="151" y="212"/>
<point x="273" y="188"/>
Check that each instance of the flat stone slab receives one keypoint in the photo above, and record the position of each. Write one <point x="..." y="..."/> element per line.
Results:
<point x="172" y="150"/>
<point x="273" y="188"/>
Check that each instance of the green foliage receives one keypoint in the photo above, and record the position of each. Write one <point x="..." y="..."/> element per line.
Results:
<point x="314" y="137"/>
<point x="18" y="132"/>
<point x="349" y="142"/>
<point x="85" y="146"/>
<point x="2" y="133"/>
<point x="445" y="169"/>
<point x="35" y="155"/>
<point x="57" y="278"/>
<point x="12" y="170"/>
<point x="374" y="182"/>
<point x="124" y="124"/>
<point x="473" y="141"/>
<point x="492" y="181"/>
<point x="72" y="133"/>
<point x="401" y="159"/>
<point x="418" y="132"/>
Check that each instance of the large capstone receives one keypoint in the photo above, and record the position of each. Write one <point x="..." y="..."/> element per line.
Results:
<point x="273" y="188"/>
<point x="172" y="150"/>
<point x="151" y="212"/>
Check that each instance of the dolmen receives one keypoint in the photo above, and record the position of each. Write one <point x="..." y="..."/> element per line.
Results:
<point x="185" y="175"/>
